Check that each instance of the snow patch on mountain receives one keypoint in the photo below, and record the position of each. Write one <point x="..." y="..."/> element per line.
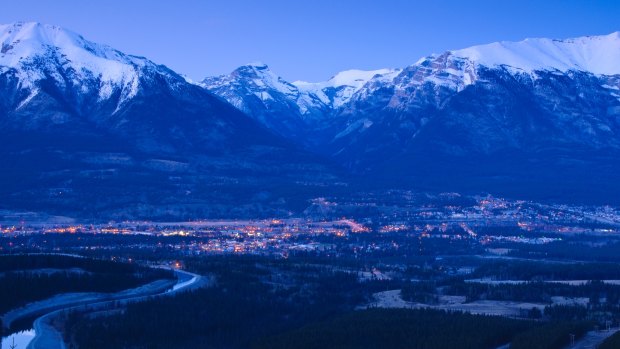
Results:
<point x="354" y="78"/>
<point x="359" y="125"/>
<point x="599" y="55"/>
<point x="266" y="77"/>
<point x="32" y="94"/>
<point x="339" y="89"/>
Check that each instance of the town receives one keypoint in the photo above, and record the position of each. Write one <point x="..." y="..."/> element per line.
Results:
<point x="513" y="260"/>
<point x="477" y="221"/>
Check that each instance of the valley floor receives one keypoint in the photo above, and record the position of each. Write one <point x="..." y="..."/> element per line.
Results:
<point x="393" y="299"/>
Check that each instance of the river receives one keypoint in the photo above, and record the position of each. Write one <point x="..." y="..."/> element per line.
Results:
<point x="46" y="336"/>
<point x="20" y="339"/>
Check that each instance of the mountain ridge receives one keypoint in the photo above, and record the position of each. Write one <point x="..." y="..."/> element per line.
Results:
<point x="95" y="132"/>
<point x="140" y="141"/>
<point x="472" y="109"/>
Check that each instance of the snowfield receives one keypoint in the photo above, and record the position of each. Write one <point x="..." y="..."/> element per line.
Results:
<point x="393" y="299"/>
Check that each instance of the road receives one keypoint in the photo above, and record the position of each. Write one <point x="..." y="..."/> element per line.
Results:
<point x="67" y="300"/>
<point x="592" y="339"/>
<point x="48" y="337"/>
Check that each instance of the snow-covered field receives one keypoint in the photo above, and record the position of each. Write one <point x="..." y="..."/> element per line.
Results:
<point x="393" y="299"/>
<point x="567" y="282"/>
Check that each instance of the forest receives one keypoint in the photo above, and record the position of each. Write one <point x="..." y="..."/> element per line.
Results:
<point x="402" y="328"/>
<point x="612" y="342"/>
<point x="554" y="335"/>
<point x="532" y="271"/>
<point x="535" y="291"/>
<point x="254" y="298"/>
<point x="259" y="302"/>
<point x="30" y="278"/>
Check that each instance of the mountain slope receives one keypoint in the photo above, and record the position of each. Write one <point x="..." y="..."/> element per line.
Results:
<point x="257" y="91"/>
<point x="296" y="110"/>
<point x="535" y="118"/>
<point x="505" y="117"/>
<point x="95" y="132"/>
<point x="546" y="77"/>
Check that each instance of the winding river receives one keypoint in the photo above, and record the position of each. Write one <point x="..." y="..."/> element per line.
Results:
<point x="45" y="336"/>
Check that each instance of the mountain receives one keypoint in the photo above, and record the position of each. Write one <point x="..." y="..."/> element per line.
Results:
<point x="536" y="118"/>
<point x="339" y="89"/>
<point x="91" y="131"/>
<point x="296" y="110"/>
<point x="257" y="91"/>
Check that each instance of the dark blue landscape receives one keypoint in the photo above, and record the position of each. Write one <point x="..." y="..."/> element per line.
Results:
<point x="474" y="191"/>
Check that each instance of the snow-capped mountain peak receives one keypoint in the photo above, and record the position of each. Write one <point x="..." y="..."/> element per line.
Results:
<point x="599" y="55"/>
<point x="457" y="69"/>
<point x="354" y="78"/>
<point x="254" y="78"/>
<point x="339" y="89"/>
<point x="37" y="51"/>
<point x="262" y="76"/>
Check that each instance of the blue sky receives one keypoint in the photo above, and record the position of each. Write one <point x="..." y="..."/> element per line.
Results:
<point x="310" y="40"/>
